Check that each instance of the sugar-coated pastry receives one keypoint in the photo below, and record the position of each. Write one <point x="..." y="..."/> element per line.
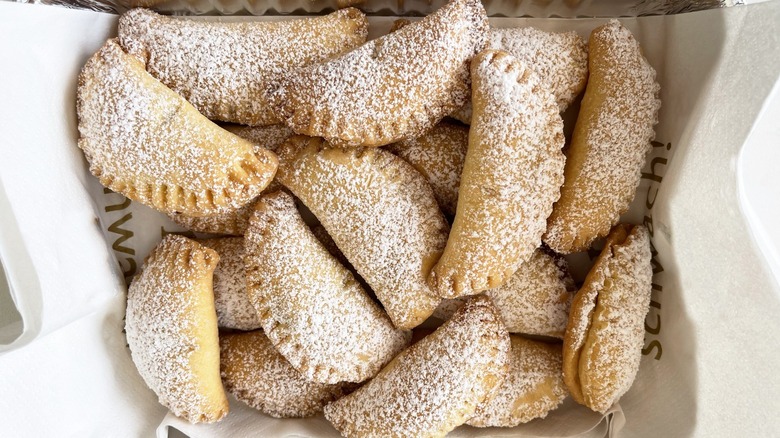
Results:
<point x="171" y="329"/>
<point x="532" y="388"/>
<point x="605" y="334"/>
<point x="231" y="299"/>
<point x="610" y="141"/>
<point x="256" y="374"/>
<point x="535" y="301"/>
<point x="511" y="177"/>
<point x="559" y="59"/>
<point x="380" y="212"/>
<point x="433" y="386"/>
<point x="394" y="87"/>
<point x="438" y="155"/>
<point x="222" y="68"/>
<point x="267" y="137"/>
<point x="146" y="142"/>
<point x="315" y="313"/>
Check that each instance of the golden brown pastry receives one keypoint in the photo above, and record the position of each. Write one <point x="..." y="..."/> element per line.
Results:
<point x="532" y="388"/>
<point x="268" y="137"/>
<point x="511" y="177"/>
<point x="146" y="142"/>
<point x="605" y="334"/>
<point x="171" y="329"/>
<point x="535" y="301"/>
<point x="560" y="60"/>
<point x="315" y="313"/>
<point x="231" y="298"/>
<point x="380" y="212"/>
<point x="256" y="374"/>
<point x="611" y="138"/>
<point x="221" y="68"/>
<point x="394" y="87"/>
<point x="438" y="155"/>
<point x="435" y="385"/>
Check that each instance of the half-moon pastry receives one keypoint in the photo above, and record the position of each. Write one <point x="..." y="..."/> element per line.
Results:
<point x="311" y="307"/>
<point x="146" y="142"/>
<point x="438" y="155"/>
<point x="394" y="87"/>
<point x="380" y="212"/>
<point x="559" y="59"/>
<point x="610" y="141"/>
<point x="222" y="68"/>
<point x="605" y="334"/>
<point x="511" y="177"/>
<point x="433" y="386"/>
<point x="231" y="299"/>
<point x="535" y="301"/>
<point x="532" y="388"/>
<point x="256" y="374"/>
<point x="171" y="329"/>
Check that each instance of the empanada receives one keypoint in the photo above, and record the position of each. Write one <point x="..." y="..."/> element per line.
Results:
<point x="511" y="177"/>
<point x="315" y="313"/>
<point x="610" y="141"/>
<point x="222" y="68"/>
<point x="171" y="329"/>
<point x="560" y="60"/>
<point x="146" y="142"/>
<point x="256" y="374"/>
<point x="433" y="386"/>
<point x="535" y="301"/>
<point x="438" y="155"/>
<point x="605" y="334"/>
<point x="380" y="212"/>
<point x="394" y="87"/>
<point x="532" y="388"/>
<point x="231" y="299"/>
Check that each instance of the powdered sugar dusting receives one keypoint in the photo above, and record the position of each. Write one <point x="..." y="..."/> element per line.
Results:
<point x="532" y="388"/>
<point x="146" y="142"/>
<point x="255" y="373"/>
<point x="315" y="313"/>
<point x="223" y="67"/>
<point x="380" y="212"/>
<point x="610" y="141"/>
<point x="433" y="386"/>
<point x="231" y="298"/>
<point x="438" y="155"/>
<point x="511" y="177"/>
<point x="391" y="88"/>
<point x="263" y="137"/>
<point x="164" y="302"/>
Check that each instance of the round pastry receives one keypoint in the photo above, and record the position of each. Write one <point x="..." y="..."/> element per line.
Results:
<point x="605" y="334"/>
<point x="256" y="374"/>
<point x="532" y="388"/>
<point x="610" y="141"/>
<point x="171" y="327"/>
<point x="433" y="386"/>
<point x="231" y="299"/>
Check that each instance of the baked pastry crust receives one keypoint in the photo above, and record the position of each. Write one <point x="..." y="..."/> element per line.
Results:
<point x="394" y="87"/>
<point x="380" y="212"/>
<point x="535" y="301"/>
<point x="222" y="68"/>
<point x="603" y="343"/>
<point x="511" y="178"/>
<point x="311" y="307"/>
<point x="433" y="386"/>
<point x="146" y="142"/>
<point x="610" y="141"/>
<point x="256" y="374"/>
<point x="438" y="155"/>
<point x="560" y="60"/>
<point x="171" y="329"/>
<point x="532" y="388"/>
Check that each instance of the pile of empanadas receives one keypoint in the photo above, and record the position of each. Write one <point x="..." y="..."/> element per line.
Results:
<point x="231" y="129"/>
